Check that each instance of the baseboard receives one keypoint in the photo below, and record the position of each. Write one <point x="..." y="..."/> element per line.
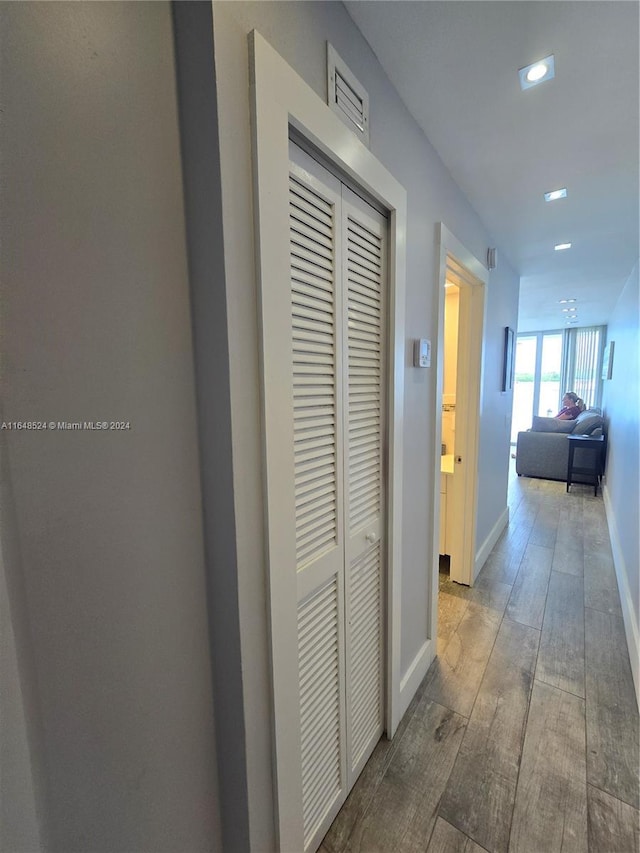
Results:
<point x="487" y="546"/>
<point x="413" y="677"/>
<point x="626" y="599"/>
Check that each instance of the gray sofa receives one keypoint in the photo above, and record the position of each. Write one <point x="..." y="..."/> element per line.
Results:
<point x="543" y="451"/>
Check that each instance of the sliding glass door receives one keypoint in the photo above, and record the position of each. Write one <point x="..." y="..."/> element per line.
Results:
<point x="549" y="392"/>
<point x="536" y="389"/>
<point x="524" y="384"/>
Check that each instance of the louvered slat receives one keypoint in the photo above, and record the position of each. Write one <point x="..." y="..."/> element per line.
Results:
<point x="364" y="472"/>
<point x="364" y="301"/>
<point x="313" y="370"/>
<point x="358" y="229"/>
<point x="364" y="267"/>
<point x="364" y="274"/>
<point x="318" y="662"/>
<point x="304" y="212"/>
<point x="349" y="101"/>
<point x="365" y="650"/>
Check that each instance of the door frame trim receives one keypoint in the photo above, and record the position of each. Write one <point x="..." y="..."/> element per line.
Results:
<point x="450" y="246"/>
<point x="280" y="99"/>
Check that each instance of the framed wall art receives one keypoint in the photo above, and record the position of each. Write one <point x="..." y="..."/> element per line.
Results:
<point x="607" y="360"/>
<point x="509" y="364"/>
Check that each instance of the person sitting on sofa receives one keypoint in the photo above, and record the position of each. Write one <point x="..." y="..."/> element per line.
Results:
<point x="570" y="407"/>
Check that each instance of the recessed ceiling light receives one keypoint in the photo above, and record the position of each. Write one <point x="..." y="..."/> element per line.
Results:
<point x="554" y="195"/>
<point x="537" y="72"/>
<point x="560" y="247"/>
<point x="569" y="309"/>
<point x="563" y="301"/>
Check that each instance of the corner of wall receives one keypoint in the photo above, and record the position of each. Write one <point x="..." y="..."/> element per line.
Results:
<point x="197" y="98"/>
<point x="487" y="546"/>
<point x="23" y="788"/>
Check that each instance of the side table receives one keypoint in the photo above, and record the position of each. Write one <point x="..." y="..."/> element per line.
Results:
<point x="593" y="443"/>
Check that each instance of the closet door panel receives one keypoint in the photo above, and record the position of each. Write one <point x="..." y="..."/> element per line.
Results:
<point x="364" y="273"/>
<point x="337" y="376"/>
<point x="316" y="382"/>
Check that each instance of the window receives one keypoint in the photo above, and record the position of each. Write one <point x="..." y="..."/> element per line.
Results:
<point x="550" y="363"/>
<point x="582" y="363"/>
<point x="549" y="390"/>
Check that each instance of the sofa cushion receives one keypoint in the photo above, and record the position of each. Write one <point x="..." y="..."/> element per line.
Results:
<point x="552" y="425"/>
<point x="587" y="422"/>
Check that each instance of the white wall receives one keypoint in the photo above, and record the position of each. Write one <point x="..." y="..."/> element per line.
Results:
<point x="299" y="30"/>
<point x="496" y="405"/>
<point x="621" y="404"/>
<point x="97" y="326"/>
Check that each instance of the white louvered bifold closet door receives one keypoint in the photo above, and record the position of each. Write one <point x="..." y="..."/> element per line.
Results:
<point x="315" y="237"/>
<point x="364" y="277"/>
<point x="336" y="262"/>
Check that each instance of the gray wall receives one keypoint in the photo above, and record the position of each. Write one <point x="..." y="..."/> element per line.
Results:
<point x="299" y="31"/>
<point x="193" y="26"/>
<point x="97" y="327"/>
<point x="621" y="396"/>
<point x="22" y="776"/>
<point x="19" y="824"/>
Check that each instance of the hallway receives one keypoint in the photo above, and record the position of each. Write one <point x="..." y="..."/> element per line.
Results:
<point x="524" y="734"/>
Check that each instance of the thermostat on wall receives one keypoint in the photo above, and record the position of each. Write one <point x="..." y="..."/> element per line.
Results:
<point x="422" y="353"/>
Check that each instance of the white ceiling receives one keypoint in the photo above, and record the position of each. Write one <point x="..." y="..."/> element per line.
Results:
<point x="455" y="65"/>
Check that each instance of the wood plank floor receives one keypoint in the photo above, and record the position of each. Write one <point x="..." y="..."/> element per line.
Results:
<point x="523" y="736"/>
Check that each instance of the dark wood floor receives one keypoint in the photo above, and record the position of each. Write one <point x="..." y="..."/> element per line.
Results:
<point x="523" y="737"/>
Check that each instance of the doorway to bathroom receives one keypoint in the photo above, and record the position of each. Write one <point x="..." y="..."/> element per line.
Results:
<point x="460" y="335"/>
<point x="448" y="525"/>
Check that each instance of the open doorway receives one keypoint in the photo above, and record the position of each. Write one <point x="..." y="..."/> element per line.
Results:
<point x="460" y="330"/>
<point x="447" y="527"/>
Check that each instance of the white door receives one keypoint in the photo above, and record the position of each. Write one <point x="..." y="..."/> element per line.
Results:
<point x="364" y="265"/>
<point x="470" y="330"/>
<point x="338" y="275"/>
<point x="461" y="500"/>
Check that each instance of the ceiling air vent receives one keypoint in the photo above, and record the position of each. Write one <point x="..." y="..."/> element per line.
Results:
<point x="346" y="96"/>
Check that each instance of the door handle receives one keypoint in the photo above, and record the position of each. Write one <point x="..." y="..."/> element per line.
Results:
<point x="370" y="537"/>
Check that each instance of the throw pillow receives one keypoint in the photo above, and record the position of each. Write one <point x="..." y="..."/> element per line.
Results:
<point x="587" y="423"/>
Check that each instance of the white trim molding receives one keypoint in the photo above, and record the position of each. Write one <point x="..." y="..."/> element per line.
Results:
<point x="450" y="245"/>
<point x="281" y="102"/>
<point x="487" y="546"/>
<point x="626" y="597"/>
<point x="415" y="674"/>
